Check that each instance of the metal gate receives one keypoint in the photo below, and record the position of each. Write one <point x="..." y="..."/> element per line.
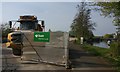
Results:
<point x="54" y="52"/>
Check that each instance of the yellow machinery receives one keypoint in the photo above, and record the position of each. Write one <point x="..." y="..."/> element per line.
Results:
<point x="27" y="23"/>
<point x="56" y="47"/>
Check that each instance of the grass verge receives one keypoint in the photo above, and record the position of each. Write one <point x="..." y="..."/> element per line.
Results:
<point x="105" y="53"/>
<point x="98" y="51"/>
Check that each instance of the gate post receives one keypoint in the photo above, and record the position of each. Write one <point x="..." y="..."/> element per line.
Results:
<point x="66" y="37"/>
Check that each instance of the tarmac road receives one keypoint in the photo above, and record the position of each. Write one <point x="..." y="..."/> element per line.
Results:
<point x="12" y="62"/>
<point x="81" y="60"/>
<point x="87" y="62"/>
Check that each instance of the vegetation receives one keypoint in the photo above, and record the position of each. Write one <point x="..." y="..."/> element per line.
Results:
<point x="82" y="25"/>
<point x="115" y="50"/>
<point x="112" y="54"/>
<point x="98" y="51"/>
<point x="105" y="53"/>
<point x="108" y="36"/>
<point x="115" y="54"/>
<point x="5" y="29"/>
<point x="112" y="9"/>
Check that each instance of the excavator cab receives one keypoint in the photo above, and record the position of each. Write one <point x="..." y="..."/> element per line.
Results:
<point x="29" y="23"/>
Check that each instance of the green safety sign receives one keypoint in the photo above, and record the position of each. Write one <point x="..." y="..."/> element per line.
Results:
<point x="41" y="36"/>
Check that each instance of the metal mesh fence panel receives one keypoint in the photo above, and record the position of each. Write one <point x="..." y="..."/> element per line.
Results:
<point x="55" y="50"/>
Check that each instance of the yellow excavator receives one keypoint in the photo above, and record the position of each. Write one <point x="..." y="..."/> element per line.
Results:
<point x="27" y="23"/>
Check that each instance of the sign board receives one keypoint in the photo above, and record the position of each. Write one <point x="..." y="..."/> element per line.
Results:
<point x="41" y="36"/>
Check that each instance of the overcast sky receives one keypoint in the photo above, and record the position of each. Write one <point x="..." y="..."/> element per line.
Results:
<point x="57" y="15"/>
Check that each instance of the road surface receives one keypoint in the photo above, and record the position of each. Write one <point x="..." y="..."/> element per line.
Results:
<point x="80" y="60"/>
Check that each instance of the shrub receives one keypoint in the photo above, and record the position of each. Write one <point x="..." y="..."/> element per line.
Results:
<point x="115" y="49"/>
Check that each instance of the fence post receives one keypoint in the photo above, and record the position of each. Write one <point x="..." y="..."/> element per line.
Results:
<point x="66" y="37"/>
